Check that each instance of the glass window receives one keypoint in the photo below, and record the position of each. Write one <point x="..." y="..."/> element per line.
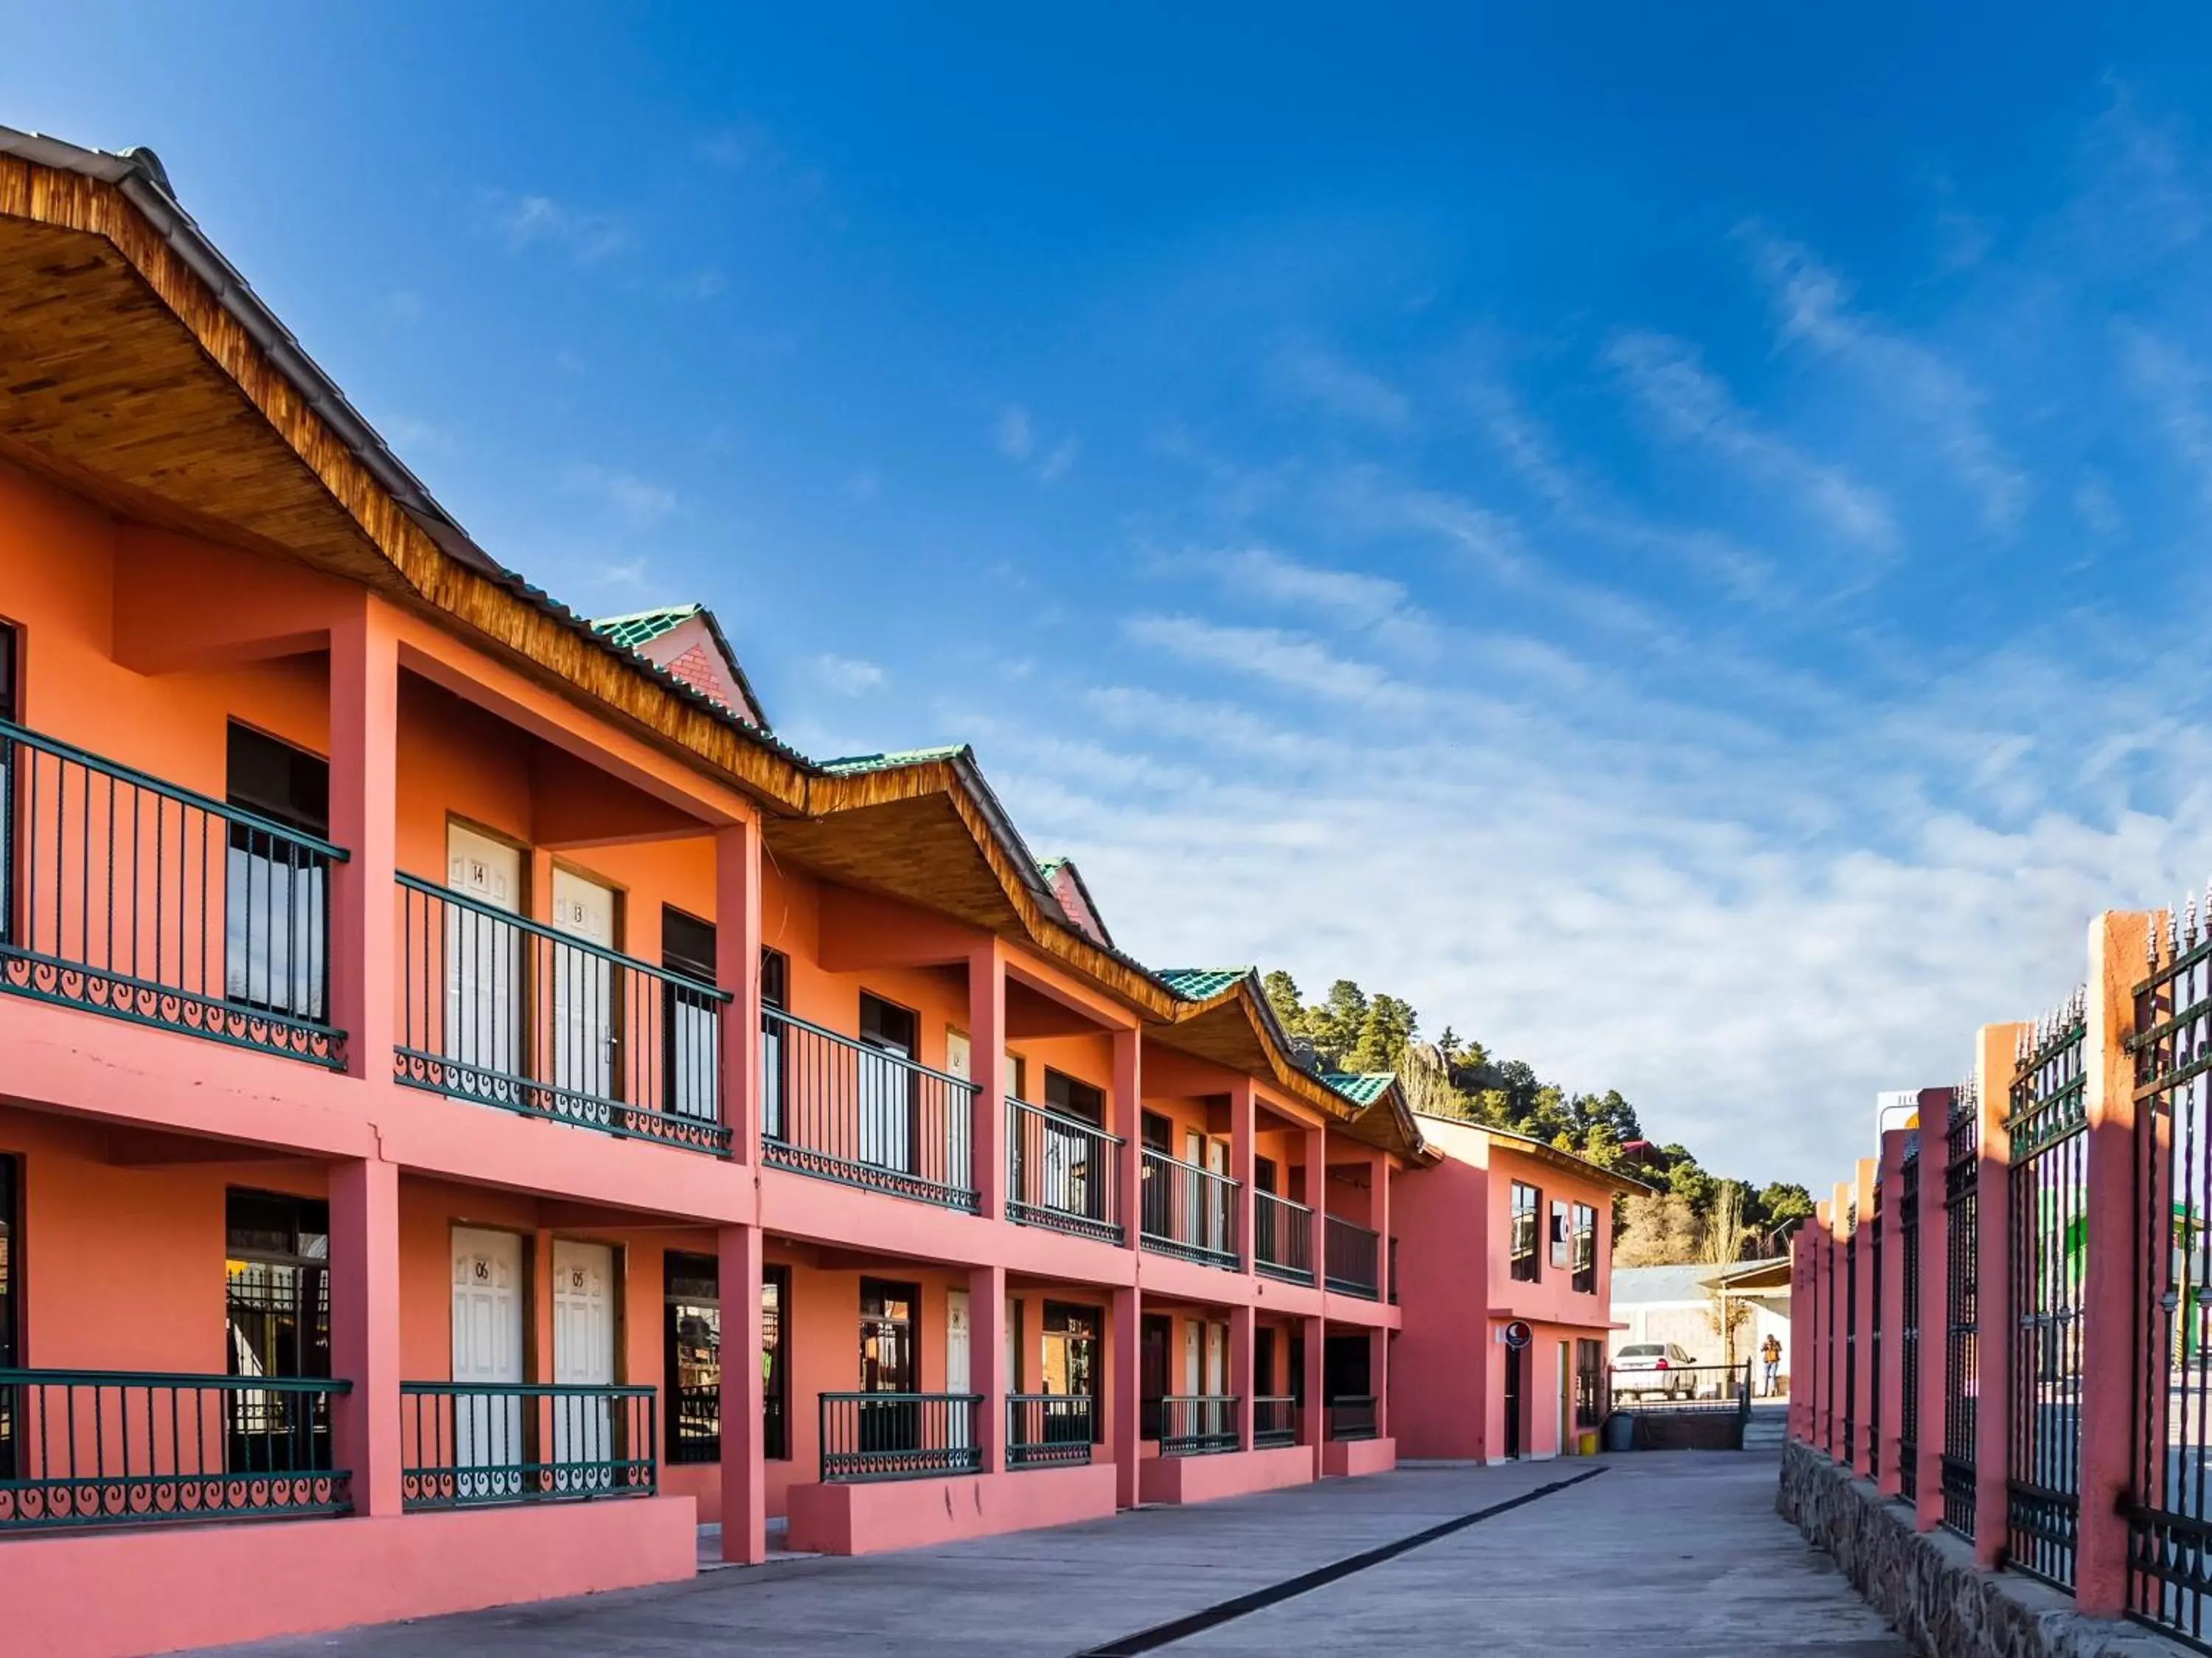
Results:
<point x="1585" y="1248"/>
<point x="7" y="672"/>
<point x="774" y="978"/>
<point x="275" y="917"/>
<point x="277" y="1305"/>
<point x="776" y="1364"/>
<point x="693" y="1344"/>
<point x="1559" y="1235"/>
<point x="887" y="1319"/>
<point x="1527" y="1207"/>
<point x="9" y="1351"/>
<point x="1072" y="1098"/>
<point x="889" y="1101"/>
<point x="690" y="1021"/>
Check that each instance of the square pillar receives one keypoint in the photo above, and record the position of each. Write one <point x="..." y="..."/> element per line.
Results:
<point x="1378" y="1378"/>
<point x="364" y="967"/>
<point x="2118" y="947"/>
<point x="365" y="1329"/>
<point x="1889" y="1317"/>
<point x="987" y="1051"/>
<point x="1126" y="1109"/>
<point x="1125" y="1391"/>
<point x="1800" y="1324"/>
<point x="1313" y="1416"/>
<point x="1243" y="1123"/>
<point x="1839" y="1312"/>
<point x="987" y="1362"/>
<point x="737" y="970"/>
<point x="1934" y="1312"/>
<point x="1994" y="1065"/>
<point x="1816" y="1352"/>
<point x="745" y="1474"/>
<point x="1317" y="1200"/>
<point x="1241" y="1367"/>
<point x="1378" y="1216"/>
<point x="1861" y="1454"/>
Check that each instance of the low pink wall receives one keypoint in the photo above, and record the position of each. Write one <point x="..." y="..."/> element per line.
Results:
<point x="1232" y="1473"/>
<point x="1349" y="1458"/>
<point x="869" y="1518"/>
<point x="116" y="1594"/>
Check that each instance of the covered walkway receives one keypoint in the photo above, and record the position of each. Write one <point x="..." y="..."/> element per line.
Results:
<point x="1665" y="1554"/>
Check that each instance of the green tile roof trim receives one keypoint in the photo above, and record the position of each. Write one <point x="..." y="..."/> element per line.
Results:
<point x="1050" y="867"/>
<point x="632" y="630"/>
<point x="1362" y="1088"/>
<point x="1201" y="984"/>
<point x="852" y="763"/>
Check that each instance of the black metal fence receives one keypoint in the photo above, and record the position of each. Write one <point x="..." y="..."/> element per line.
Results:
<point x="1682" y="1388"/>
<point x="1961" y="1367"/>
<point x="1050" y="1430"/>
<point x="898" y="1436"/>
<point x="2047" y="1194"/>
<point x="1274" y="1420"/>
<point x="843" y="1110"/>
<point x="2170" y="1506"/>
<point x="1282" y="1238"/>
<point x="1198" y="1425"/>
<point x="505" y="1011"/>
<point x="1908" y="1333"/>
<point x="1189" y="1211"/>
<point x="1352" y="1258"/>
<point x="695" y="1423"/>
<point x="1063" y="1173"/>
<point x="1353" y="1416"/>
<point x="113" y="1448"/>
<point x="469" y="1444"/>
<point x="125" y="895"/>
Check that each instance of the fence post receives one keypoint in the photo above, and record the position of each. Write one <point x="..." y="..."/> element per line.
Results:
<point x="737" y="970"/>
<point x="1839" y="1314"/>
<point x="744" y="1387"/>
<point x="1800" y="1324"/>
<point x="1128" y="1121"/>
<point x="1859" y="1454"/>
<point x="987" y="1061"/>
<point x="1124" y="1392"/>
<point x="1934" y="1306"/>
<point x="1995" y="1063"/>
<point x="1890" y="1382"/>
<point x="2117" y="947"/>
<point x="1816" y="1348"/>
<point x="986" y="1360"/>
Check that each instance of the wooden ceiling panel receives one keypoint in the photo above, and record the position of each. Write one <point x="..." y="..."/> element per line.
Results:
<point x="918" y="850"/>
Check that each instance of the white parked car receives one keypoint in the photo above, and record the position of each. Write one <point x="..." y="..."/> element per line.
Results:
<point x="1647" y="1368"/>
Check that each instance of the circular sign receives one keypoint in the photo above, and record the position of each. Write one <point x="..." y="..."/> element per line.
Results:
<point x="1518" y="1334"/>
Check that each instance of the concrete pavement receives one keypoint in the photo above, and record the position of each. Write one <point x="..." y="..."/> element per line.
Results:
<point x="1666" y="1554"/>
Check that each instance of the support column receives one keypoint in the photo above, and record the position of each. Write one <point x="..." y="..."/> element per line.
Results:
<point x="1378" y="1378"/>
<point x="1860" y="1456"/>
<point x="745" y="1474"/>
<point x="1241" y="1368"/>
<point x="1124" y="1393"/>
<point x="1800" y="1325"/>
<point x="1995" y="1062"/>
<point x="1839" y="1314"/>
<point x="986" y="1047"/>
<point x="1935" y="1311"/>
<point x="365" y="965"/>
<point x="1317" y="1200"/>
<point x="2117" y="950"/>
<point x="987" y="1362"/>
<point x="365" y="1329"/>
<point x="1889" y="1317"/>
<point x="1243" y="1123"/>
<point x="1315" y="1415"/>
<point x="737" y="970"/>
<point x="1127" y="1107"/>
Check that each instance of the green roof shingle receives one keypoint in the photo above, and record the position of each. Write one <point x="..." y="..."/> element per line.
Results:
<point x="1200" y="984"/>
<point x="642" y="626"/>
<point x="1362" y="1088"/>
<point x="851" y="762"/>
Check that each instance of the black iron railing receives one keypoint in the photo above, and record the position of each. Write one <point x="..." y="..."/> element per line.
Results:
<point x="1274" y="1420"/>
<point x="1063" y="1173"/>
<point x="2047" y="1193"/>
<point x="470" y="1444"/>
<point x="2170" y="1505"/>
<point x="1349" y="1259"/>
<point x="1394" y="1272"/>
<point x="1189" y="1211"/>
<point x="124" y="895"/>
<point x="507" y="1012"/>
<point x="1282" y="1238"/>
<point x="1680" y="1387"/>
<point x="1352" y="1417"/>
<point x="1962" y="1142"/>
<point x="1198" y="1424"/>
<point x="898" y="1436"/>
<point x="695" y="1423"/>
<point x="843" y="1110"/>
<point x="118" y="1447"/>
<point x="1050" y="1430"/>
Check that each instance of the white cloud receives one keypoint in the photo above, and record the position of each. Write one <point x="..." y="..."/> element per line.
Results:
<point x="1326" y="381"/>
<point x="2172" y="384"/>
<point x="849" y="676"/>
<point x="1015" y="435"/>
<point x="1012" y="433"/>
<point x="636" y="504"/>
<point x="530" y="221"/>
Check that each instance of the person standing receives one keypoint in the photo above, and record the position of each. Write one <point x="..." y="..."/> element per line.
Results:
<point x="1772" y="1352"/>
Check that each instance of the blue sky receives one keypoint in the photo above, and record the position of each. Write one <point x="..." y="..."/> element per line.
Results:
<point x="1675" y="547"/>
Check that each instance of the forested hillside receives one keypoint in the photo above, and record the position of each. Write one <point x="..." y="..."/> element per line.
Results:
<point x="1696" y="1215"/>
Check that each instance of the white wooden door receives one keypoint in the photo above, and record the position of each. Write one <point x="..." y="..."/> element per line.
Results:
<point x="584" y="1355"/>
<point x="1217" y="1359"/>
<point x="1193" y="1359"/>
<point x="958" y="1378"/>
<point x="583" y="1034"/>
<point x="487" y="1426"/>
<point x="959" y="1058"/>
<point x="484" y="964"/>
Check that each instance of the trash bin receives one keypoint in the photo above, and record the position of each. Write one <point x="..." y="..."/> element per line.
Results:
<point x="1620" y="1431"/>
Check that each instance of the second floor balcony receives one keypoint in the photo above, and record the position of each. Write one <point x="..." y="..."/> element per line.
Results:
<point x="1189" y="1211"/>
<point x="1282" y="1238"/>
<point x="841" y="1109"/>
<point x="1352" y="1260"/>
<point x="1062" y="1173"/>
<point x="505" y="1011"/>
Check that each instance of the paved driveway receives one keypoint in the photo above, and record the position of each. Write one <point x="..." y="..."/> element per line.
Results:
<point x="1662" y="1554"/>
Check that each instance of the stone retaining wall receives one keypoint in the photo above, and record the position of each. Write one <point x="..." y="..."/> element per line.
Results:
<point x="1927" y="1585"/>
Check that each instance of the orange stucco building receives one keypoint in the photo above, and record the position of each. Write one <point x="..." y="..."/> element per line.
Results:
<point x="476" y="1107"/>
